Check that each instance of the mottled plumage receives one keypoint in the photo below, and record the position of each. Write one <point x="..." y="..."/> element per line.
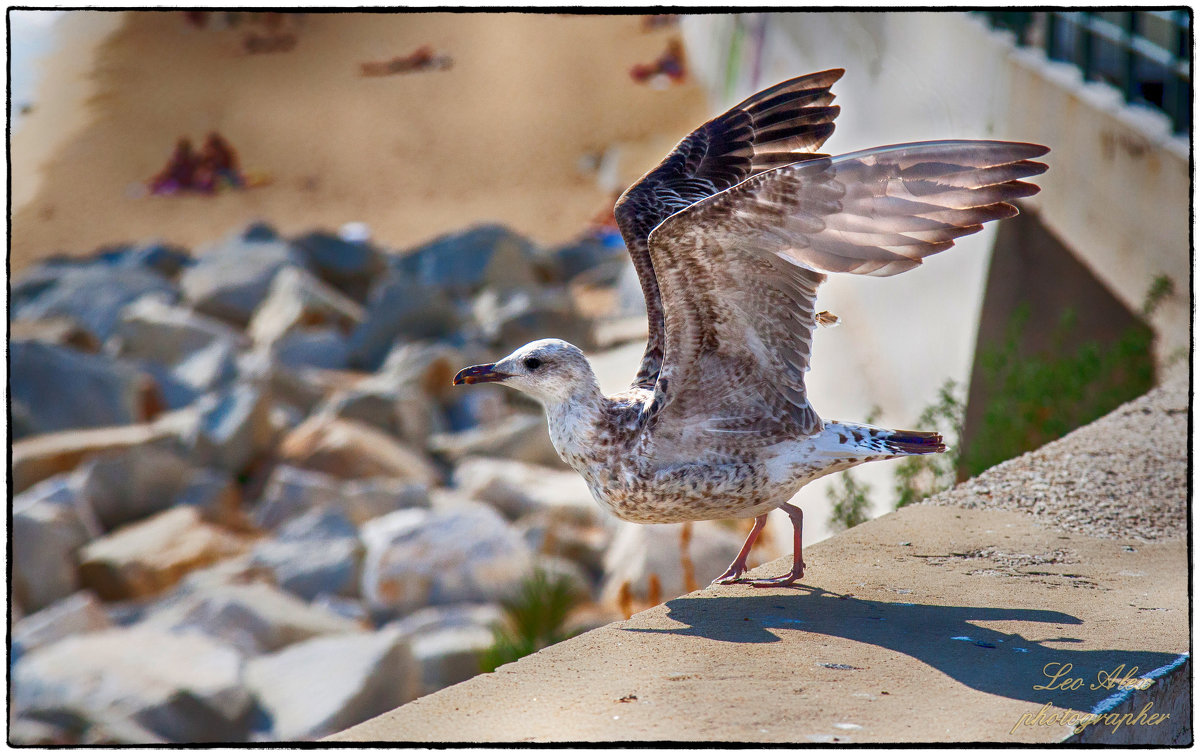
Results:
<point x="731" y="236"/>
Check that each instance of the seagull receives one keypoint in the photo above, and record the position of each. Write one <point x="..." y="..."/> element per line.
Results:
<point x="731" y="235"/>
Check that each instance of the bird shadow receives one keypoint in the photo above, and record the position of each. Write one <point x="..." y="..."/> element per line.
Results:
<point x="944" y="637"/>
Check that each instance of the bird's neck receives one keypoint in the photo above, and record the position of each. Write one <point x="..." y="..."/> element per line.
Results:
<point x="574" y="420"/>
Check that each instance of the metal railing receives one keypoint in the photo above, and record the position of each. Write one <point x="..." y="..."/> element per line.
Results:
<point x="1147" y="54"/>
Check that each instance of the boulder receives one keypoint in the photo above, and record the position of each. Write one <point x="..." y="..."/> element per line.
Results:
<point x="77" y="613"/>
<point x="234" y="427"/>
<point x="631" y="302"/>
<point x="148" y="557"/>
<point x="291" y="492"/>
<point x="238" y="570"/>
<point x="586" y="254"/>
<point x="127" y="485"/>
<point x="640" y="550"/>
<point x="317" y="553"/>
<point x="49" y="525"/>
<point x="180" y="687"/>
<point x="319" y="348"/>
<point x="464" y="263"/>
<point x="37" y="280"/>
<point x="557" y="568"/>
<point x="254" y="618"/>
<point x="400" y="308"/>
<point x="30" y="732"/>
<point x="58" y="331"/>
<point x="346" y="261"/>
<point x="350" y="450"/>
<point x="298" y="300"/>
<point x="452" y="616"/>
<point x="258" y="232"/>
<point x="417" y="557"/>
<point x="519" y="437"/>
<point x="289" y="385"/>
<point x="197" y="351"/>
<point x="55" y="388"/>
<point x="509" y="320"/>
<point x="465" y="410"/>
<point x="155" y="256"/>
<point x="348" y="608"/>
<point x="427" y="367"/>
<point x="230" y="279"/>
<point x="315" y="688"/>
<point x="38" y="458"/>
<point x="217" y="497"/>
<point x="363" y="500"/>
<point x="517" y="489"/>
<point x="374" y="408"/>
<point x="210" y="368"/>
<point x="153" y="330"/>
<point x="92" y="295"/>
<point x="557" y="532"/>
<point x="451" y="655"/>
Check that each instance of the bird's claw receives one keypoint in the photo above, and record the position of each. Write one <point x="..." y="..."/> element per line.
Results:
<point x="730" y="577"/>
<point x="791" y="577"/>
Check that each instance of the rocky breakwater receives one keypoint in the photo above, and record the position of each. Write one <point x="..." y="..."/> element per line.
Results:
<point x="248" y="505"/>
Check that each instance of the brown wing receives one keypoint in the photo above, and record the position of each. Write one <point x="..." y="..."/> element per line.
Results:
<point x="739" y="272"/>
<point x="775" y="127"/>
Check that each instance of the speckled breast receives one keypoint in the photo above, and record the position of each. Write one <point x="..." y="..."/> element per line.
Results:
<point x="681" y="493"/>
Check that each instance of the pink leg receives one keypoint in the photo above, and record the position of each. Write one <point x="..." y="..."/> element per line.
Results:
<point x="797" y="517"/>
<point x="738" y="567"/>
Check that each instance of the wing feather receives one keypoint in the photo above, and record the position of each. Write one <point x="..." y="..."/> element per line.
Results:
<point x="777" y="126"/>
<point x="739" y="272"/>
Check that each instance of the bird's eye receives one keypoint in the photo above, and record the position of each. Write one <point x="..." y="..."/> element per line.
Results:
<point x="532" y="363"/>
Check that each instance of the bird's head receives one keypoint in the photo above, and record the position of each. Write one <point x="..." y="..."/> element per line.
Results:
<point x="549" y="370"/>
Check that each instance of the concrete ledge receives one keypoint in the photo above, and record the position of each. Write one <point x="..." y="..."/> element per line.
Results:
<point x="937" y="623"/>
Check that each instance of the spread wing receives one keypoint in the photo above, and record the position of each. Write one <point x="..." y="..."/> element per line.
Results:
<point x="739" y="273"/>
<point x="775" y="127"/>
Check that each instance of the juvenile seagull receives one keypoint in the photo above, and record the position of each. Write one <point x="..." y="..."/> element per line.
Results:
<point x="731" y="235"/>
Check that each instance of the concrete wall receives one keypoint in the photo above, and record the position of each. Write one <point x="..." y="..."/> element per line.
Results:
<point x="1116" y="194"/>
<point x="938" y="623"/>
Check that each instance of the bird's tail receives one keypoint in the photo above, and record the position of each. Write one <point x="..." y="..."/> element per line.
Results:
<point x="912" y="442"/>
<point x="869" y="442"/>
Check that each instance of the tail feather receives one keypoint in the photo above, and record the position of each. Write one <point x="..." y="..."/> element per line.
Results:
<point x="913" y="442"/>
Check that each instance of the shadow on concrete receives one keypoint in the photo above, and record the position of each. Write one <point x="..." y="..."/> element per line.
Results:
<point x="943" y="637"/>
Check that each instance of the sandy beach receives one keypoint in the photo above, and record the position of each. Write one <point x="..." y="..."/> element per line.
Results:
<point x="509" y="133"/>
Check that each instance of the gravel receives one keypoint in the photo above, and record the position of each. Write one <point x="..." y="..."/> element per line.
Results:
<point x="1124" y="476"/>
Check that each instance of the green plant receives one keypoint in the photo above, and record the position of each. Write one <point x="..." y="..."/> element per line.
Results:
<point x="851" y="501"/>
<point x="918" y="477"/>
<point x="1036" y="399"/>
<point x="535" y="617"/>
<point x="1160" y="288"/>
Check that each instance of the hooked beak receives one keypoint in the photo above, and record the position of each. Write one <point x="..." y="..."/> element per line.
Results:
<point x="480" y="373"/>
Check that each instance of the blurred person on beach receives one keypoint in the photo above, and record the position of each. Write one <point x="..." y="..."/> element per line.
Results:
<point x="180" y="171"/>
<point x="658" y="21"/>
<point x="217" y="166"/>
<point x="420" y="59"/>
<point x="670" y="64"/>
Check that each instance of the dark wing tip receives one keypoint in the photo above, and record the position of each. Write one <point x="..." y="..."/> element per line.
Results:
<point x="829" y="75"/>
<point x="1020" y="189"/>
<point x="1035" y="150"/>
<point x="1032" y="168"/>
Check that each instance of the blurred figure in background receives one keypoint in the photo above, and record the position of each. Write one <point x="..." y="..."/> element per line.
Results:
<point x="421" y="59"/>
<point x="217" y="166"/>
<point x="180" y="171"/>
<point x="671" y="64"/>
<point x="660" y="21"/>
